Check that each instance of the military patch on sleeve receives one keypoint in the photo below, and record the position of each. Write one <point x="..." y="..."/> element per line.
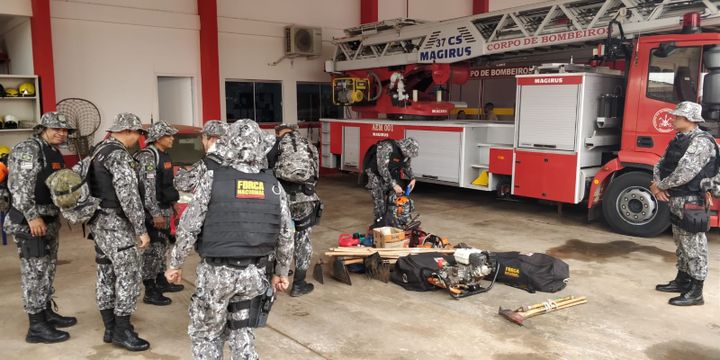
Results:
<point x="167" y="165"/>
<point x="250" y="189"/>
<point x="150" y="167"/>
<point x="25" y="165"/>
<point x="26" y="157"/>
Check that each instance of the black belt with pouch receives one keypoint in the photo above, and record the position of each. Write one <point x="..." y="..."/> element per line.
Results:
<point x="31" y="246"/>
<point x="696" y="218"/>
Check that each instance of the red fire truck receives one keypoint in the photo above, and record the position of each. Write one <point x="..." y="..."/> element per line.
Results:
<point x="581" y="133"/>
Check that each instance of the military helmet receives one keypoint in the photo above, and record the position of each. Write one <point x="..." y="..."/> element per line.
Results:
<point x="65" y="187"/>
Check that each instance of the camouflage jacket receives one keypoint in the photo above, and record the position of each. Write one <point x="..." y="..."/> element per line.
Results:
<point x="24" y="164"/>
<point x="698" y="154"/>
<point x="147" y="164"/>
<point x="192" y="220"/>
<point x="384" y="151"/>
<point x="122" y="167"/>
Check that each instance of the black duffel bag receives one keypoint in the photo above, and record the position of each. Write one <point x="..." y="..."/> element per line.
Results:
<point x="532" y="272"/>
<point x="412" y="271"/>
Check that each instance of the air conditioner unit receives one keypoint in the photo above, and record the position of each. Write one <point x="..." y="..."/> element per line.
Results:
<point x="302" y="41"/>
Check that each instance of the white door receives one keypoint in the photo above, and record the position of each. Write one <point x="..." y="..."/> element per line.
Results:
<point x="175" y="100"/>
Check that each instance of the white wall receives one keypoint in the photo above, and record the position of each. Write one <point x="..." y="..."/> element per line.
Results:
<point x="112" y="51"/>
<point x="423" y="9"/>
<point x="251" y="37"/>
<point x="505" y="4"/>
<point x="17" y="41"/>
<point x="16" y="7"/>
<point x="175" y="100"/>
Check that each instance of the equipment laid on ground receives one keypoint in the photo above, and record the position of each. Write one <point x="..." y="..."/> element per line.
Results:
<point x="595" y="142"/>
<point x="465" y="276"/>
<point x="523" y="313"/>
<point x="532" y="271"/>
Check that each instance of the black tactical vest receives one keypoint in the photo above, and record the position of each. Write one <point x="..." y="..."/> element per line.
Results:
<point x="397" y="161"/>
<point x="243" y="217"/>
<point x="100" y="179"/>
<point x="53" y="161"/>
<point x="210" y="163"/>
<point x="165" y="191"/>
<point x="675" y="151"/>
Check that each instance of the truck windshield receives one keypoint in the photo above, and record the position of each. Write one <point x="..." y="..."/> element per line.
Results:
<point x="674" y="76"/>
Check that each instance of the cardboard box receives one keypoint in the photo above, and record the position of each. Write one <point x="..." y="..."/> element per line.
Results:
<point x="388" y="237"/>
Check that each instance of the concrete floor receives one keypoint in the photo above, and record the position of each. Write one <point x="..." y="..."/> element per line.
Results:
<point x="625" y="318"/>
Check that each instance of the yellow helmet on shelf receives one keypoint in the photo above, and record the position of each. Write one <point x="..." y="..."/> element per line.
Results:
<point x="4" y="150"/>
<point x="10" y="92"/>
<point x="26" y="89"/>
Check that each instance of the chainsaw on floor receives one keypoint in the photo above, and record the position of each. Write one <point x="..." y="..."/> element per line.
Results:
<point x="468" y="275"/>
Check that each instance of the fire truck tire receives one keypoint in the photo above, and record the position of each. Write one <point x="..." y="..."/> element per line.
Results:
<point x="630" y="208"/>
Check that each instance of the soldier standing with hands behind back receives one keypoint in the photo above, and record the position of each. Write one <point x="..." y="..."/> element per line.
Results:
<point x="34" y="221"/>
<point x="116" y="228"/>
<point x="242" y="212"/>
<point x="689" y="159"/>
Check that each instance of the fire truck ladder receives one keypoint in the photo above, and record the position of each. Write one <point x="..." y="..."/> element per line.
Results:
<point x="551" y="23"/>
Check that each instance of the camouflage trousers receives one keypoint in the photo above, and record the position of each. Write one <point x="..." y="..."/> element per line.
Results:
<point x="153" y="258"/>
<point x="303" y="249"/>
<point x="37" y="275"/>
<point x="692" y="249"/>
<point x="118" y="283"/>
<point x="216" y="287"/>
<point x="378" y="190"/>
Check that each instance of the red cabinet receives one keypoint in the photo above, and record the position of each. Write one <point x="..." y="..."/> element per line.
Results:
<point x="547" y="176"/>
<point x="501" y="161"/>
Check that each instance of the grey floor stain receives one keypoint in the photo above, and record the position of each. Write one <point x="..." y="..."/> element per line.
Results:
<point x="601" y="252"/>
<point x="677" y="350"/>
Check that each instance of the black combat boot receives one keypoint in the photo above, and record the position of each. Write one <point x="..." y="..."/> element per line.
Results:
<point x="153" y="295"/>
<point x="108" y="318"/>
<point x="680" y="284"/>
<point x="124" y="335"/>
<point x="41" y="331"/>
<point x="693" y="296"/>
<point x="300" y="287"/>
<point x="56" y="319"/>
<point x="165" y="286"/>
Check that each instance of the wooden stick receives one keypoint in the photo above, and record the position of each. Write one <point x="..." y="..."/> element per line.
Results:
<point x="538" y="311"/>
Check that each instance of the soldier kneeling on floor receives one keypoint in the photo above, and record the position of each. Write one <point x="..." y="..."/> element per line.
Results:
<point x="243" y="214"/>
<point x="34" y="221"/>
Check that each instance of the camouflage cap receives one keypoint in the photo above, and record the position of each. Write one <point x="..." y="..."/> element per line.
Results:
<point x="409" y="147"/>
<point x="215" y="128"/>
<point x="690" y="110"/>
<point x="126" y="121"/>
<point x="53" y="120"/>
<point x="244" y="143"/>
<point x="158" y="130"/>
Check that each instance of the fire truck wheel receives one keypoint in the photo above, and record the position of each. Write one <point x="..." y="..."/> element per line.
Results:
<point x="630" y="208"/>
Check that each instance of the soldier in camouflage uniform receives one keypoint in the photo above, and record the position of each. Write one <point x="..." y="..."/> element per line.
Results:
<point x="389" y="170"/>
<point x="303" y="202"/>
<point x="116" y="227"/>
<point x="34" y="221"/>
<point x="155" y="171"/>
<point x="186" y="180"/>
<point x="232" y="269"/>
<point x="689" y="159"/>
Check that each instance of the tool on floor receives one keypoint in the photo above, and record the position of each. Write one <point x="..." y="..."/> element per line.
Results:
<point x="318" y="271"/>
<point x="377" y="268"/>
<point x="339" y="271"/>
<point x="523" y="313"/>
<point x="465" y="277"/>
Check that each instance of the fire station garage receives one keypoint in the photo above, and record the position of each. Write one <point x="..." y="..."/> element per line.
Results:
<point x="360" y="179"/>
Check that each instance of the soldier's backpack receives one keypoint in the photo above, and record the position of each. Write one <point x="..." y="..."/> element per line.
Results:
<point x="295" y="161"/>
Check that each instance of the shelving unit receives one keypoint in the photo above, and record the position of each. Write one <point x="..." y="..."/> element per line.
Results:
<point x="479" y="139"/>
<point x="26" y="109"/>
